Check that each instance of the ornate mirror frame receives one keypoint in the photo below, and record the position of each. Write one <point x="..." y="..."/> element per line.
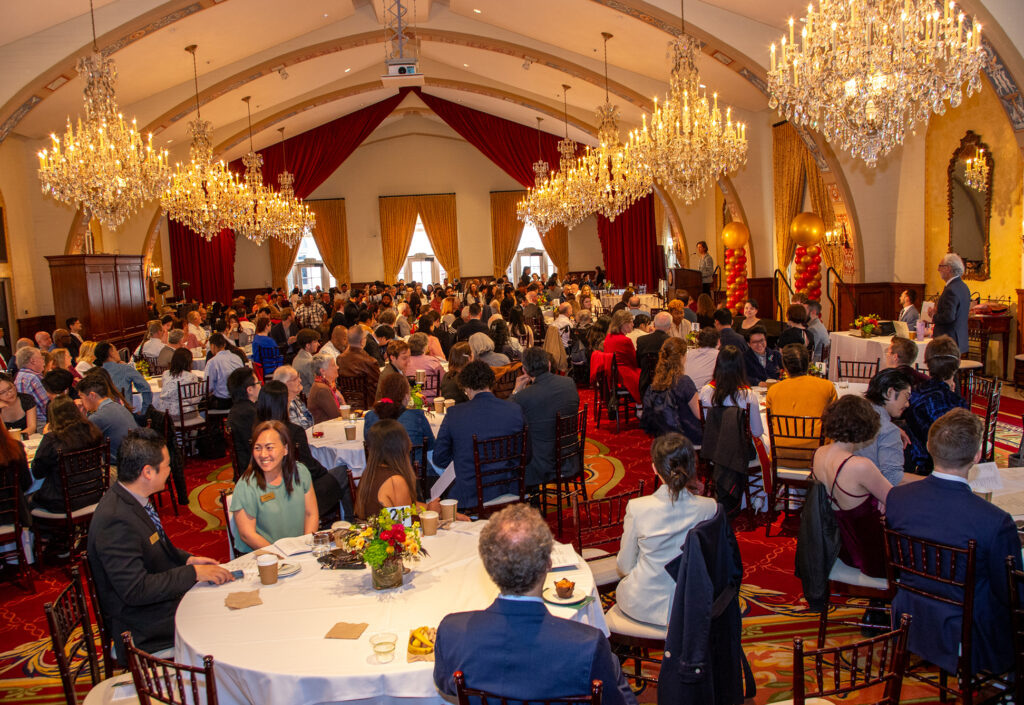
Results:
<point x="971" y="142"/>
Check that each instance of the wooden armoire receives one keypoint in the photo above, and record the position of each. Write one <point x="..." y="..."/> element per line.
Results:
<point x="108" y="292"/>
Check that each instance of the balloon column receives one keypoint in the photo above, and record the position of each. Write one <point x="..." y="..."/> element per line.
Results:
<point x="807" y="230"/>
<point x="735" y="237"/>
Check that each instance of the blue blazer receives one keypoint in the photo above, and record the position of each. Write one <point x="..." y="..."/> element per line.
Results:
<point x="924" y="509"/>
<point x="518" y="649"/>
<point x="771" y="370"/>
<point x="541" y="402"/>
<point x="488" y="417"/>
<point x="951" y="311"/>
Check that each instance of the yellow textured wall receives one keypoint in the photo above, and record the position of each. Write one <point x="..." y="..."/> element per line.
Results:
<point x="983" y="114"/>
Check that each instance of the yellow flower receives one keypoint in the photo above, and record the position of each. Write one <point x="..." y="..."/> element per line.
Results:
<point x="391" y="550"/>
<point x="358" y="543"/>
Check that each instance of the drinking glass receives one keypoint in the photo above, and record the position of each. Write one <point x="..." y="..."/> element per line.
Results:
<point x="384" y="646"/>
<point x="321" y="544"/>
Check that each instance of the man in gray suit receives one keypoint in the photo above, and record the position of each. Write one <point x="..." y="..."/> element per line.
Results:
<point x="543" y="396"/>
<point x="954" y="304"/>
<point x="908" y="308"/>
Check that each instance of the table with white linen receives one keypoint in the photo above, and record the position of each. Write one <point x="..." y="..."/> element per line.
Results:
<point x="333" y="449"/>
<point x="276" y="652"/>
<point x="156" y="384"/>
<point x="1011" y="497"/>
<point x="850" y="346"/>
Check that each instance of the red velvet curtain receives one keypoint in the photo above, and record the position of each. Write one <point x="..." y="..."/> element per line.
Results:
<point x="629" y="246"/>
<point x="511" y="146"/>
<point x="316" y="154"/>
<point x="209" y="267"/>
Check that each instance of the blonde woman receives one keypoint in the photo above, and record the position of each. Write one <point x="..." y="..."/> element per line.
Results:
<point x="61" y="358"/>
<point x="86" y="357"/>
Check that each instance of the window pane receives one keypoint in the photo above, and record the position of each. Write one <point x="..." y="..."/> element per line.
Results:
<point x="310" y="277"/>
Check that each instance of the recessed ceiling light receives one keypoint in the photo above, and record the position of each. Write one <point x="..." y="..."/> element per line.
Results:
<point x="347" y="70"/>
<point x="466" y="65"/>
<point x="476" y="10"/>
<point x="325" y="15"/>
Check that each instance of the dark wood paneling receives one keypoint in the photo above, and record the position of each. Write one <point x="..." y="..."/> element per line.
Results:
<point x="761" y="290"/>
<point x="882" y="298"/>
<point x="28" y="327"/>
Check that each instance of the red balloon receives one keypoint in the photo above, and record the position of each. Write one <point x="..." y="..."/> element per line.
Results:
<point x="816" y="259"/>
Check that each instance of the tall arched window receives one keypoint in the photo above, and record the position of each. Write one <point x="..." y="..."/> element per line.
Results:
<point x="309" y="270"/>
<point x="420" y="263"/>
<point x="531" y="253"/>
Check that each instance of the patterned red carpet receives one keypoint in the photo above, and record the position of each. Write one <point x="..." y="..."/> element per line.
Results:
<point x="774" y="611"/>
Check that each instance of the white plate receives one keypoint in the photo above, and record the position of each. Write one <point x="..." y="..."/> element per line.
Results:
<point x="551" y="596"/>
<point x="287" y="569"/>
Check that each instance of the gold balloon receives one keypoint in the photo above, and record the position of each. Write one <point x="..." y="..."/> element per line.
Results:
<point x="735" y="235"/>
<point x="807" y="229"/>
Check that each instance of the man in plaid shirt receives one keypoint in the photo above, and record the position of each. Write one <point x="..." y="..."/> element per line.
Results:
<point x="30" y="380"/>
<point x="309" y="314"/>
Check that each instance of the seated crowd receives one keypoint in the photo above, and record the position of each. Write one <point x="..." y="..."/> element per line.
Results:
<point x="269" y="369"/>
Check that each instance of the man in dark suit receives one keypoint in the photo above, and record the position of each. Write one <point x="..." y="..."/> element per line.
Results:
<point x="473" y="324"/>
<point x="244" y="390"/>
<point x="543" y="397"/>
<point x="726" y="334"/>
<point x="648" y="346"/>
<point x="516" y="648"/>
<point x="954" y="304"/>
<point x="762" y="364"/>
<point x="352" y="308"/>
<point x="140" y="575"/>
<point x="942" y="508"/>
<point x="284" y="333"/>
<point x="484" y="415"/>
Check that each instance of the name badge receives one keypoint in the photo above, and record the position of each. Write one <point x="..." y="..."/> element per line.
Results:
<point x="154" y="538"/>
<point x="267" y="497"/>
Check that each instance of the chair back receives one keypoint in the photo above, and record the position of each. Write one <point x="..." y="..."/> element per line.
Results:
<point x="229" y="441"/>
<point x="943" y="573"/>
<point x="257" y="369"/>
<point x="841" y="670"/>
<point x="570" y="439"/>
<point x="420" y="466"/>
<point x="983" y="395"/>
<point x="1015" y="579"/>
<point x="355" y="390"/>
<point x="540" y="329"/>
<point x="505" y="379"/>
<point x="469" y="695"/>
<point x="170" y="682"/>
<point x="431" y="384"/>
<point x="856" y="369"/>
<point x="193" y="400"/>
<point x="599" y="521"/>
<point x="499" y="462"/>
<point x="648" y="361"/>
<point x="71" y="636"/>
<point x="11" y="501"/>
<point x="106" y="639"/>
<point x="85" y="475"/>
<point x="794" y="439"/>
<point x="125" y="354"/>
<point x="154" y="367"/>
<point x="229" y="520"/>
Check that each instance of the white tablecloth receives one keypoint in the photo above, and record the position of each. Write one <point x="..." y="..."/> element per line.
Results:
<point x="333" y="449"/>
<point x="276" y="652"/>
<point x="1013" y="484"/>
<point x="156" y="385"/>
<point x="850" y="346"/>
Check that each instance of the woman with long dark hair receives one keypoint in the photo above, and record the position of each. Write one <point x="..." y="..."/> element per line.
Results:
<point x="68" y="431"/>
<point x="179" y="372"/>
<point x="457" y="359"/>
<point x="517" y="327"/>
<point x="705" y="311"/>
<point x="393" y="404"/>
<point x="503" y="343"/>
<point x="388" y="480"/>
<point x="274" y="497"/>
<point x="729" y="387"/>
<point x="671" y="402"/>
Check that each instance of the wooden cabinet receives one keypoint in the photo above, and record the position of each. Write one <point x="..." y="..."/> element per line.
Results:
<point x="108" y="292"/>
<point x="881" y="298"/>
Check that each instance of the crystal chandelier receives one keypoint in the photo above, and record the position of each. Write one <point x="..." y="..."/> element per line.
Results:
<point x="267" y="214"/>
<point x="976" y="171"/>
<point x="534" y="208"/>
<point x="567" y="186"/>
<point x="103" y="164"/>
<point x="205" y="195"/>
<point x="300" y="219"/>
<point x="866" y="71"/>
<point x="687" y="145"/>
<point x="612" y="177"/>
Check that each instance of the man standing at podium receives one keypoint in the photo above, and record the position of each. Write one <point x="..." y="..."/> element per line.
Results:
<point x="706" y="266"/>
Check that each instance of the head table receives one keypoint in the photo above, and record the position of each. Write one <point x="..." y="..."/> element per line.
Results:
<point x="276" y="652"/>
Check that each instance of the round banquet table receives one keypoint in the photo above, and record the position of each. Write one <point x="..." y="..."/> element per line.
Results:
<point x="850" y="346"/>
<point x="333" y="449"/>
<point x="276" y="652"/>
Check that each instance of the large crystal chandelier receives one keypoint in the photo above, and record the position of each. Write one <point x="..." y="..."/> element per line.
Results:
<point x="267" y="213"/>
<point x="612" y="175"/>
<point x="205" y="195"/>
<point x="535" y="208"/>
<point x="103" y="164"/>
<point x="299" y="220"/>
<point x="863" y="72"/>
<point x="976" y="171"/>
<point x="687" y="145"/>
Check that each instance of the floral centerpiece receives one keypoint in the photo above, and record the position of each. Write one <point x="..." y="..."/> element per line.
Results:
<point x="868" y="324"/>
<point x="416" y="396"/>
<point x="143" y="367"/>
<point x="383" y="542"/>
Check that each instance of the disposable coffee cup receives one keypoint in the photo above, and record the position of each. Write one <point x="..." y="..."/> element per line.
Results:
<point x="350" y="432"/>
<point x="448" y="507"/>
<point x="267" y="566"/>
<point x="439" y="405"/>
<point x="346" y="411"/>
<point x="448" y="403"/>
<point x="421" y="376"/>
<point x="429" y="522"/>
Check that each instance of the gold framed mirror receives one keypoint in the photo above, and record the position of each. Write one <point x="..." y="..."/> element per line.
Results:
<point x="969" y="204"/>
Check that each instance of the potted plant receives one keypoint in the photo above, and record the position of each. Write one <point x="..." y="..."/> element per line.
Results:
<point x="868" y="325"/>
<point x="383" y="542"/>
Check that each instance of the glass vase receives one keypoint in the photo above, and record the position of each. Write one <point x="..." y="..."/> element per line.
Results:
<point x="388" y="574"/>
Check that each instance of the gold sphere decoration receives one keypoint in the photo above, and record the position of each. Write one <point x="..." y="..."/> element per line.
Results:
<point x="807" y="229"/>
<point x="735" y="235"/>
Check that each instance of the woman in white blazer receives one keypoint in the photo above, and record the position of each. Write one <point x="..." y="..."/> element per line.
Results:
<point x="655" y="529"/>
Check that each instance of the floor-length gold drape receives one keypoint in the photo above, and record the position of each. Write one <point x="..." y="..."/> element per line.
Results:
<point x="441" y="223"/>
<point x="331" y="236"/>
<point x="556" y="243"/>
<point x="282" y="257"/>
<point x="821" y="203"/>
<point x="506" y="229"/>
<point x="788" y="182"/>
<point x="397" y="223"/>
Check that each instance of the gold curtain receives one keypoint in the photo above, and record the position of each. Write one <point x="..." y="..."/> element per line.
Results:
<point x="788" y="181"/>
<point x="821" y="203"/>
<point x="331" y="237"/>
<point x="397" y="223"/>
<point x="282" y="258"/>
<point x="440" y="222"/>
<point x="506" y="229"/>
<point x="556" y="242"/>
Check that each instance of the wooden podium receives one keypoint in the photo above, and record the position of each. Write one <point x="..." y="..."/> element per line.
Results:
<point x="108" y="292"/>
<point x="680" y="278"/>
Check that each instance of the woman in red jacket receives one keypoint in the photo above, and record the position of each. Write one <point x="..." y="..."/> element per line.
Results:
<point x="617" y="344"/>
